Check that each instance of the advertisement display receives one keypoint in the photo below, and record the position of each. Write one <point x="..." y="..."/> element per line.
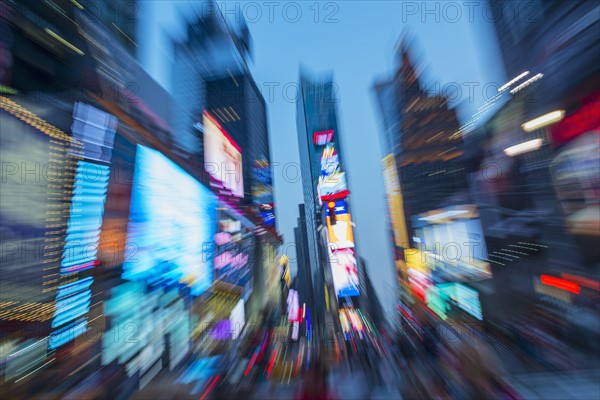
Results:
<point x="419" y="283"/>
<point x="395" y="201"/>
<point x="85" y="218"/>
<point x="453" y="241"/>
<point x="293" y="305"/>
<point x="323" y="137"/>
<point x="340" y="235"/>
<point x="222" y="156"/>
<point x="468" y="300"/>
<point x="332" y="182"/>
<point x="465" y="297"/>
<point x="344" y="272"/>
<point x="330" y="161"/>
<point x="267" y="212"/>
<point x="172" y="219"/>
<point x="333" y="186"/>
<point x="262" y="183"/>
<point x="576" y="181"/>
<point x="237" y="319"/>
<point x="233" y="251"/>
<point x="340" y="207"/>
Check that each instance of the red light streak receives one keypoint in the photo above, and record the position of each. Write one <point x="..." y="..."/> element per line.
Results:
<point x="336" y="196"/>
<point x="588" y="283"/>
<point x="207" y="391"/>
<point x="560" y="284"/>
<point x="250" y="364"/>
<point x="298" y="364"/>
<point x="83" y="266"/>
<point x="271" y="363"/>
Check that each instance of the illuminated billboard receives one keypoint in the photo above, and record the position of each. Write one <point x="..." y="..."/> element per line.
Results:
<point x="454" y="243"/>
<point x="262" y="183"/>
<point x="467" y="299"/>
<point x="293" y="306"/>
<point x="340" y="207"/>
<point x="85" y="218"/>
<point x="395" y="201"/>
<point x="340" y="234"/>
<point x="330" y="161"/>
<point x="233" y="251"/>
<point x="322" y="137"/>
<point x="332" y="181"/>
<point x="237" y="319"/>
<point x="344" y="272"/>
<point x="222" y="156"/>
<point x="268" y="214"/>
<point x="333" y="186"/>
<point x="172" y="222"/>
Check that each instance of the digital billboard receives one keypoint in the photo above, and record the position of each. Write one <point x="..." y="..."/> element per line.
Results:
<point x="85" y="218"/>
<point x="468" y="300"/>
<point x="340" y="208"/>
<point x="332" y="181"/>
<point x="330" y="161"/>
<point x="293" y="306"/>
<point x="333" y="186"/>
<point x="233" y="251"/>
<point x="262" y="183"/>
<point x="321" y="138"/>
<point x="267" y="212"/>
<point x="419" y="282"/>
<point x="344" y="272"/>
<point x="395" y="201"/>
<point x="454" y="243"/>
<point x="340" y="235"/>
<point x="237" y="319"/>
<point x="172" y="222"/>
<point x="222" y="156"/>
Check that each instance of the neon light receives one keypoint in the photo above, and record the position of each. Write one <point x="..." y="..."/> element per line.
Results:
<point x="251" y="363"/>
<point x="560" y="283"/>
<point x="525" y="147"/>
<point x="271" y="363"/>
<point x="588" y="283"/>
<point x="543" y="120"/>
<point x="207" y="391"/>
<point x="298" y="364"/>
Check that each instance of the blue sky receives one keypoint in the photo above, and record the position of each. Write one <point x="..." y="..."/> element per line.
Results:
<point x="355" y="40"/>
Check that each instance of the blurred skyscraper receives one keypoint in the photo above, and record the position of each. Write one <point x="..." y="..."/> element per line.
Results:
<point x="331" y="246"/>
<point x="424" y="161"/>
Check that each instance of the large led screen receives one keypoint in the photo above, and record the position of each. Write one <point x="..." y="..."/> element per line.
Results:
<point x="172" y="223"/>
<point x="340" y="235"/>
<point x="222" y="156"/>
<point x="455" y="236"/>
<point x="344" y="272"/>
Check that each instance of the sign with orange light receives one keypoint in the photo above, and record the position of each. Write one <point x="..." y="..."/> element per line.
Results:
<point x="341" y="235"/>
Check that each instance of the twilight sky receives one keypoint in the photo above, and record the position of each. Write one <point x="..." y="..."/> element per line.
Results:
<point x="355" y="40"/>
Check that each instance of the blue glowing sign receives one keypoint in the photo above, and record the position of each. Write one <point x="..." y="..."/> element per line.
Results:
<point x="172" y="223"/>
<point x="85" y="218"/>
<point x="340" y="208"/>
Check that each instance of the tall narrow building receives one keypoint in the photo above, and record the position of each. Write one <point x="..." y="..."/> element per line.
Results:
<point x="424" y="163"/>
<point x="331" y="248"/>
